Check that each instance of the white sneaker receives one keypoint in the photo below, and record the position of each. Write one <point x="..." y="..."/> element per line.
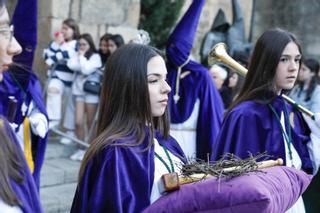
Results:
<point x="53" y="123"/>
<point x="81" y="155"/>
<point x="78" y="155"/>
<point x="65" y="140"/>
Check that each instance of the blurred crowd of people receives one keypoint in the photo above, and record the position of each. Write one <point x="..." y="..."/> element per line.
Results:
<point x="124" y="101"/>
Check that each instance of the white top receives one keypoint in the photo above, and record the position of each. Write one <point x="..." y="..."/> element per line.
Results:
<point x="296" y="160"/>
<point x="83" y="67"/>
<point x="313" y="103"/>
<point x="160" y="169"/>
<point x="186" y="133"/>
<point x="298" y="207"/>
<point x="60" y="54"/>
<point x="5" y="208"/>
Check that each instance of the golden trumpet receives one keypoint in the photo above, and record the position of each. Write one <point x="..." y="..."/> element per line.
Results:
<point x="219" y="54"/>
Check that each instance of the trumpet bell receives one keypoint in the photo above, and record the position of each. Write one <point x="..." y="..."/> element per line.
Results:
<point x="216" y="52"/>
<point x="219" y="54"/>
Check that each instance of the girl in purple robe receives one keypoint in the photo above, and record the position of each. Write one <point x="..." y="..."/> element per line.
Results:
<point x="123" y="166"/>
<point x="260" y="119"/>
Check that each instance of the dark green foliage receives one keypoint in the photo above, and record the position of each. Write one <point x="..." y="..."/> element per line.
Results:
<point x="158" y="17"/>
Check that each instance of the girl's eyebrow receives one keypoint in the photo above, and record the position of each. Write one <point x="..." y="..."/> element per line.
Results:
<point x="156" y="74"/>
<point x="288" y="55"/>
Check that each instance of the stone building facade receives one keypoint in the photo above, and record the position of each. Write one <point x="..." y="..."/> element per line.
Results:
<point x="122" y="16"/>
<point x="94" y="16"/>
<point x="297" y="16"/>
<point x="208" y="14"/>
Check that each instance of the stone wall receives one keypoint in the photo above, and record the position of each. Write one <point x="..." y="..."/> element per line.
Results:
<point x="94" y="16"/>
<point x="298" y="16"/>
<point x="209" y="12"/>
<point x="122" y="16"/>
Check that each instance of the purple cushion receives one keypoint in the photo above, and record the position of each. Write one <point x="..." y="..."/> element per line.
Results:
<point x="274" y="191"/>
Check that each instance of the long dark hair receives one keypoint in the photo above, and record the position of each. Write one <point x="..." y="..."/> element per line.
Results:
<point x="11" y="166"/>
<point x="104" y="56"/>
<point x="259" y="84"/>
<point x="92" y="48"/>
<point x="313" y="65"/>
<point x="235" y="90"/>
<point x="70" y="22"/>
<point x="117" y="39"/>
<point x="125" y="108"/>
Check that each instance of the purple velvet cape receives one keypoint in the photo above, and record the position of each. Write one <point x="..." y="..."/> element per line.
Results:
<point x="25" y="87"/>
<point x="120" y="179"/>
<point x="27" y="191"/>
<point x="197" y="85"/>
<point x="252" y="127"/>
<point x="22" y="83"/>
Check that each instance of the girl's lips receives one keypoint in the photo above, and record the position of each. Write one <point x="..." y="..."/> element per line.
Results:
<point x="6" y="64"/>
<point x="164" y="101"/>
<point x="4" y="68"/>
<point x="291" y="77"/>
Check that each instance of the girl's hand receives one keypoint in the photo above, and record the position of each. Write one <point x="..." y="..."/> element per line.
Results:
<point x="81" y="52"/>
<point x="58" y="38"/>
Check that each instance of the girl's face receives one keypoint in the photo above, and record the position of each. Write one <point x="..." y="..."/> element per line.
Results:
<point x="305" y="74"/>
<point x="103" y="46"/>
<point x="83" y="45"/>
<point x="158" y="87"/>
<point x="67" y="32"/>
<point x="112" y="47"/>
<point x="288" y="66"/>
<point x="216" y="77"/>
<point x="233" y="80"/>
<point x="8" y="44"/>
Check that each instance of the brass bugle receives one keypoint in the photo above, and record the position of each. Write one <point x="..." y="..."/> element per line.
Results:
<point x="219" y="54"/>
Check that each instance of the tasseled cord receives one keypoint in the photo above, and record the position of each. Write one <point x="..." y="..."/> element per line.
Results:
<point x="176" y="96"/>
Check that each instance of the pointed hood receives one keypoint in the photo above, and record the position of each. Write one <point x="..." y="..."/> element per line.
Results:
<point x="220" y="22"/>
<point x="181" y="39"/>
<point x="25" y="23"/>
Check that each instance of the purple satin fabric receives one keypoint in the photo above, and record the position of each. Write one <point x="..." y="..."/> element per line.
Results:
<point x="275" y="190"/>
